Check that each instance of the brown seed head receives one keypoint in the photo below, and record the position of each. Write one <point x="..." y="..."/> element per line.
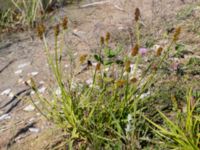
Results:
<point x="120" y="83"/>
<point x="127" y="66"/>
<point x="83" y="58"/>
<point x="65" y="23"/>
<point x="102" y="40"/>
<point x="57" y="30"/>
<point x="133" y="80"/>
<point x="137" y="14"/>
<point x="107" y="37"/>
<point x="177" y="34"/>
<point x="135" y="50"/>
<point x="98" y="67"/>
<point x="159" y="51"/>
<point x="40" y="30"/>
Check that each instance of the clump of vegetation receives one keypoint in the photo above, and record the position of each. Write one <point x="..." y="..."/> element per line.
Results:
<point x="183" y="130"/>
<point x="27" y="13"/>
<point x="110" y="110"/>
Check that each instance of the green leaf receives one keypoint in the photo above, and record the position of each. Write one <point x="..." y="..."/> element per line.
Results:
<point x="119" y="62"/>
<point x="98" y="58"/>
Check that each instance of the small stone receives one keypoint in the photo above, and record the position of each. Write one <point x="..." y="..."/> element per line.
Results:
<point x="29" y="82"/>
<point x="155" y="47"/>
<point x="33" y="73"/>
<point x="121" y="28"/>
<point x="89" y="81"/>
<point x="5" y="117"/>
<point x="66" y="66"/>
<point x="41" y="82"/>
<point x="5" y="92"/>
<point x="29" y="108"/>
<point x="32" y="92"/>
<point x="23" y="65"/>
<point x="31" y="119"/>
<point x="94" y="64"/>
<point x="20" y="81"/>
<point x="145" y="95"/>
<point x="11" y="95"/>
<point x="42" y="89"/>
<point x="34" y="130"/>
<point x="18" y="72"/>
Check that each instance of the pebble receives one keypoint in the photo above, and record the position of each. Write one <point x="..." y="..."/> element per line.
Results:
<point x="34" y="130"/>
<point x="18" y="71"/>
<point x="31" y="119"/>
<point x="145" y="95"/>
<point x="89" y="81"/>
<point x="29" y="108"/>
<point x="41" y="82"/>
<point x="11" y="95"/>
<point x="23" y="65"/>
<point x="20" y="81"/>
<point x="32" y="92"/>
<point x="94" y="64"/>
<point x="5" y="92"/>
<point x="66" y="66"/>
<point x="42" y="89"/>
<point x="5" y="117"/>
<point x="155" y="47"/>
<point x="33" y="73"/>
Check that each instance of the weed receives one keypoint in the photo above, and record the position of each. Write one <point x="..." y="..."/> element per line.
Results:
<point x="106" y="112"/>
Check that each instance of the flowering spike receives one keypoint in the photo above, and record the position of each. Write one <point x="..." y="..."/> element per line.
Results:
<point x="177" y="34"/>
<point x="82" y="58"/>
<point x="135" y="50"/>
<point x="107" y="37"/>
<point x="102" y="40"/>
<point x="40" y="30"/>
<point x="137" y="14"/>
<point x="127" y="66"/>
<point x="133" y="80"/>
<point x="159" y="51"/>
<point x="65" y="23"/>
<point x="98" y="67"/>
<point x="120" y="83"/>
<point x="57" y="30"/>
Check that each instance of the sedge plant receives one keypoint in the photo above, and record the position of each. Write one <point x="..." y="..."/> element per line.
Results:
<point x="107" y="113"/>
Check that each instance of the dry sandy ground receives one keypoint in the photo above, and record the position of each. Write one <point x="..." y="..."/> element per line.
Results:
<point x="22" y="56"/>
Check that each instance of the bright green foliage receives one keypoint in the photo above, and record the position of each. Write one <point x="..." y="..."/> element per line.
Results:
<point x="183" y="133"/>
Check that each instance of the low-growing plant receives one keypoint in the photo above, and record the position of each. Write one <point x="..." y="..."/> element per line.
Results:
<point x="107" y="111"/>
<point x="182" y="132"/>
